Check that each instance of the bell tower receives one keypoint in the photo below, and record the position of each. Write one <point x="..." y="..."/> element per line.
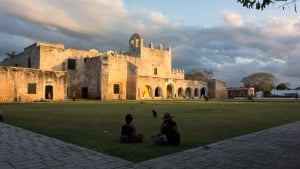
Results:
<point x="136" y="43"/>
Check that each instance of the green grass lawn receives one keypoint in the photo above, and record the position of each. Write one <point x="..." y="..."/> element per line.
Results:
<point x="85" y="122"/>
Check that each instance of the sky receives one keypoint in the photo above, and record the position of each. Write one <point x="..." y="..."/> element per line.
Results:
<point x="222" y="36"/>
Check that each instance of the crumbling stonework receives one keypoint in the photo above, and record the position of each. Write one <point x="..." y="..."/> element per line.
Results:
<point x="141" y="73"/>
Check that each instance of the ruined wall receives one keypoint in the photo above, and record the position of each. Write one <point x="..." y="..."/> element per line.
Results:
<point x="9" y="61"/>
<point x="29" y="58"/>
<point x="27" y="85"/>
<point x="132" y="79"/>
<point x="83" y="81"/>
<point x="103" y="77"/>
<point x="54" y="58"/>
<point x="217" y="89"/>
<point x="92" y="73"/>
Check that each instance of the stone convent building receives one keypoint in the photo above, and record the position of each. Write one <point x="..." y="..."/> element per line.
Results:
<point x="51" y="71"/>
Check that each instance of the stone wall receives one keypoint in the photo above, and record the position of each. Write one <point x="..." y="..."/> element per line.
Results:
<point x="117" y="75"/>
<point x="177" y="74"/>
<point x="83" y="81"/>
<point x="217" y="89"/>
<point x="27" y="85"/>
<point x="141" y="73"/>
<point x="155" y="58"/>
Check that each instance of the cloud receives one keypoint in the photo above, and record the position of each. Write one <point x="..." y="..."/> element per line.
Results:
<point x="233" y="19"/>
<point x="232" y="49"/>
<point x="39" y="12"/>
<point x="158" y="18"/>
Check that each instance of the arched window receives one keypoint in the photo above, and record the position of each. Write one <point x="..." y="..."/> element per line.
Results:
<point x="188" y="92"/>
<point x="158" y="92"/>
<point x="180" y="92"/>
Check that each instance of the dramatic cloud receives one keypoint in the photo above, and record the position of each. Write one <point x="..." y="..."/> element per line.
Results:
<point x="233" y="49"/>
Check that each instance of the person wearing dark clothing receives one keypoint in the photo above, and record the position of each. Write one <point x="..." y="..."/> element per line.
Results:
<point x="1" y="116"/>
<point x="128" y="132"/>
<point x="169" y="134"/>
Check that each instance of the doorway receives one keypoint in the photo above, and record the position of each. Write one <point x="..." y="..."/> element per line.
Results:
<point x="85" y="92"/>
<point x="49" y="92"/>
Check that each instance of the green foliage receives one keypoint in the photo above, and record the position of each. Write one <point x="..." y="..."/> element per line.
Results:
<point x="206" y="98"/>
<point x="197" y="74"/>
<point x="256" y="4"/>
<point x="12" y="54"/>
<point x="261" y="81"/>
<point x="262" y="4"/>
<point x="84" y="122"/>
<point x="250" y="97"/>
<point x="282" y="86"/>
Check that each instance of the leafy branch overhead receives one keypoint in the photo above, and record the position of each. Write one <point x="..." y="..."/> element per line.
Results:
<point x="262" y="4"/>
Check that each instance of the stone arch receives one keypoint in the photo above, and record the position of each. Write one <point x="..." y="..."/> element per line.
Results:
<point x="158" y="92"/>
<point x="203" y="92"/>
<point x="170" y="91"/>
<point x="188" y="92"/>
<point x="147" y="91"/>
<point x="180" y="92"/>
<point x="196" y="92"/>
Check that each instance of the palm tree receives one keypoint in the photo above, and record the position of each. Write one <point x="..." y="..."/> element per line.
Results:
<point x="12" y="54"/>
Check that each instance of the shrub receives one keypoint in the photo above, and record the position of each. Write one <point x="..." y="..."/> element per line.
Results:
<point x="250" y="97"/>
<point x="206" y="98"/>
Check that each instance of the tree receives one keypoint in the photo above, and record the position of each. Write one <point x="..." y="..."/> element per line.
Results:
<point x="198" y="74"/>
<point x="12" y="54"/>
<point x="282" y="86"/>
<point x="261" y="81"/>
<point x="262" y="4"/>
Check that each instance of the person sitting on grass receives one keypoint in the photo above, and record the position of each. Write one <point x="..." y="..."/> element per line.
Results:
<point x="1" y="116"/>
<point x="169" y="134"/>
<point x="128" y="133"/>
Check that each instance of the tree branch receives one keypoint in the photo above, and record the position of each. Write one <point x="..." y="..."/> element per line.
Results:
<point x="261" y="5"/>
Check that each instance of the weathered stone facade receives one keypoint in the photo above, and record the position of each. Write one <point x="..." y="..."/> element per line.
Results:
<point x="217" y="89"/>
<point x="141" y="73"/>
<point x="27" y="85"/>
